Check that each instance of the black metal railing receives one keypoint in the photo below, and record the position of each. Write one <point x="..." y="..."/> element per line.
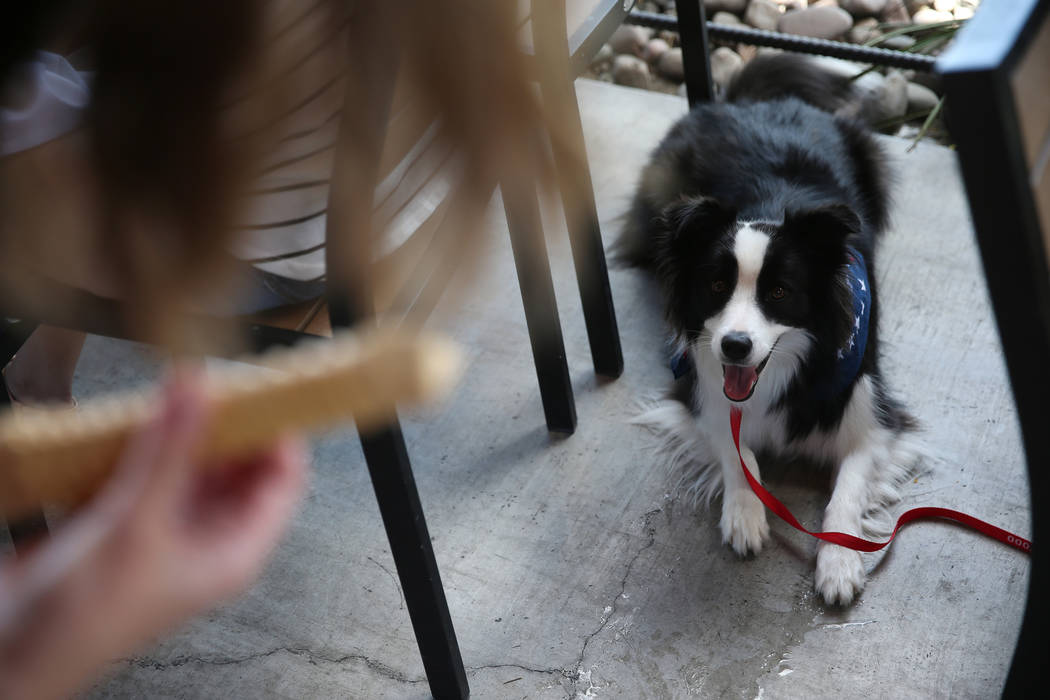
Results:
<point x="792" y="42"/>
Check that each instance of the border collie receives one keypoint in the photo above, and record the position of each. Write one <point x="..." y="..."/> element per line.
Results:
<point x="759" y="218"/>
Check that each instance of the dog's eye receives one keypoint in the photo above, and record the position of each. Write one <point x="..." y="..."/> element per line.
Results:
<point x="777" y="293"/>
<point x="718" y="287"/>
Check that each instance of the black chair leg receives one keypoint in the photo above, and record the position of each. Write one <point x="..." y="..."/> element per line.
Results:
<point x="406" y="530"/>
<point x="541" y="308"/>
<point x="577" y="190"/>
<point x="27" y="531"/>
<point x="31" y="528"/>
<point x="692" y="28"/>
<point x="395" y="490"/>
<point x="349" y="239"/>
<point x="588" y="253"/>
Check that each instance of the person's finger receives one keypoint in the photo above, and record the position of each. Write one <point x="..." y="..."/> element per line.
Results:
<point x="249" y="527"/>
<point x="276" y="499"/>
<point x="180" y="430"/>
<point x="281" y="485"/>
<point x="133" y="468"/>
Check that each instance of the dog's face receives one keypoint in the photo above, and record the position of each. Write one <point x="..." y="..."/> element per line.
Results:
<point x="754" y="294"/>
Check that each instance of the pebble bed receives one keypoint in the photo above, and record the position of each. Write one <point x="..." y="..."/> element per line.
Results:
<point x="894" y="99"/>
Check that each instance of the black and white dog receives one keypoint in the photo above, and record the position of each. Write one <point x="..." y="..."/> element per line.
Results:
<point x="759" y="218"/>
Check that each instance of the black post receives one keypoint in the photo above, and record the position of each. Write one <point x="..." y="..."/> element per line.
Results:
<point x="692" y="30"/>
<point x="349" y="254"/>
<point x="541" y="307"/>
<point x="982" y="117"/>
<point x="577" y="190"/>
<point x="29" y="529"/>
<point x="406" y="529"/>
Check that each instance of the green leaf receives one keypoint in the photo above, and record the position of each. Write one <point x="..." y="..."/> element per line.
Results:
<point x="951" y="26"/>
<point x="926" y="125"/>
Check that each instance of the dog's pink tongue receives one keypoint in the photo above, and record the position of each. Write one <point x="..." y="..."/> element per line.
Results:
<point x="739" y="381"/>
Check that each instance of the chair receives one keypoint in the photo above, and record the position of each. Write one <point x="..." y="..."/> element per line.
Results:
<point x="564" y="43"/>
<point x="997" y="110"/>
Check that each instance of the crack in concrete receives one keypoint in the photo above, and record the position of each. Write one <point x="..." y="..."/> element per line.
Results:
<point x="397" y="584"/>
<point x="573" y="674"/>
<point x="527" y="669"/>
<point x="311" y="657"/>
<point x="314" y="657"/>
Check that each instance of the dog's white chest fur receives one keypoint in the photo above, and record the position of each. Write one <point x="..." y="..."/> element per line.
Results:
<point x="869" y="462"/>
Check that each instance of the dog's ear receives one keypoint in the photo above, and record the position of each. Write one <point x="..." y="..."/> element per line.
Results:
<point x="688" y="229"/>
<point x="692" y="221"/>
<point x="830" y="224"/>
<point x="825" y="230"/>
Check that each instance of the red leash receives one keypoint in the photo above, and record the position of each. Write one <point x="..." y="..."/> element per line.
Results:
<point x="852" y="542"/>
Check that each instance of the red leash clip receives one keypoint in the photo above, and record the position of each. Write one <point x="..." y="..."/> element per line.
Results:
<point x="853" y="542"/>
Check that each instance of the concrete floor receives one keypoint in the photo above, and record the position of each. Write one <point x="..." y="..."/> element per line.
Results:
<point x="572" y="569"/>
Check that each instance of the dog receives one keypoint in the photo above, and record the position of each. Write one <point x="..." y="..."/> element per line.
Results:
<point x="759" y="218"/>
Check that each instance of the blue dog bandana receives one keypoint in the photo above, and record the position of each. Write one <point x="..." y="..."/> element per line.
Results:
<point x="681" y="365"/>
<point x="852" y="351"/>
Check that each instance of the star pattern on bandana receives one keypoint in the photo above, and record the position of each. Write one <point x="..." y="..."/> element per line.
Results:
<point x="852" y="351"/>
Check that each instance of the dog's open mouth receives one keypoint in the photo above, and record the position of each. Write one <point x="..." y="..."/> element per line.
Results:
<point x="739" y="382"/>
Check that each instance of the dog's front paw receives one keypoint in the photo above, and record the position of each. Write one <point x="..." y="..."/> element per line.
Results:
<point x="744" y="525"/>
<point x="840" y="574"/>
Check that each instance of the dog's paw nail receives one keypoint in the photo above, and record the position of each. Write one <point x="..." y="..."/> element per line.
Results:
<point x="744" y="525"/>
<point x="840" y="574"/>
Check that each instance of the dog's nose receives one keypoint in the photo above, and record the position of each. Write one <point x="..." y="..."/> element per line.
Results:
<point x="736" y="345"/>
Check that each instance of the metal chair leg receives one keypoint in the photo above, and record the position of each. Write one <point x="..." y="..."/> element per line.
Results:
<point x="348" y="254"/>
<point x="588" y="253"/>
<point x="692" y="28"/>
<point x="577" y="190"/>
<point x="28" y="530"/>
<point x="406" y="529"/>
<point x="541" y="307"/>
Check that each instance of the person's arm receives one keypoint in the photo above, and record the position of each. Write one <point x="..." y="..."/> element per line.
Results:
<point x="162" y="542"/>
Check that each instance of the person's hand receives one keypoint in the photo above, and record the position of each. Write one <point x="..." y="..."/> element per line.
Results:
<point x="194" y="535"/>
<point x="167" y="538"/>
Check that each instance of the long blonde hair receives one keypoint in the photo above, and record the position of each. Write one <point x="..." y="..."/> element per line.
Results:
<point x="170" y="159"/>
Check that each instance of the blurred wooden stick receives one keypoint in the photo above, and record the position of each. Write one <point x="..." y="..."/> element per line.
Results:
<point x="63" y="456"/>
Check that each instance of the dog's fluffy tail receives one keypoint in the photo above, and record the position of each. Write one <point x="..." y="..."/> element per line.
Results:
<point x="776" y="76"/>
<point x="842" y="88"/>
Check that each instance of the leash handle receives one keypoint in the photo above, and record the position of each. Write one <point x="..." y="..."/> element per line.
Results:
<point x="858" y="543"/>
